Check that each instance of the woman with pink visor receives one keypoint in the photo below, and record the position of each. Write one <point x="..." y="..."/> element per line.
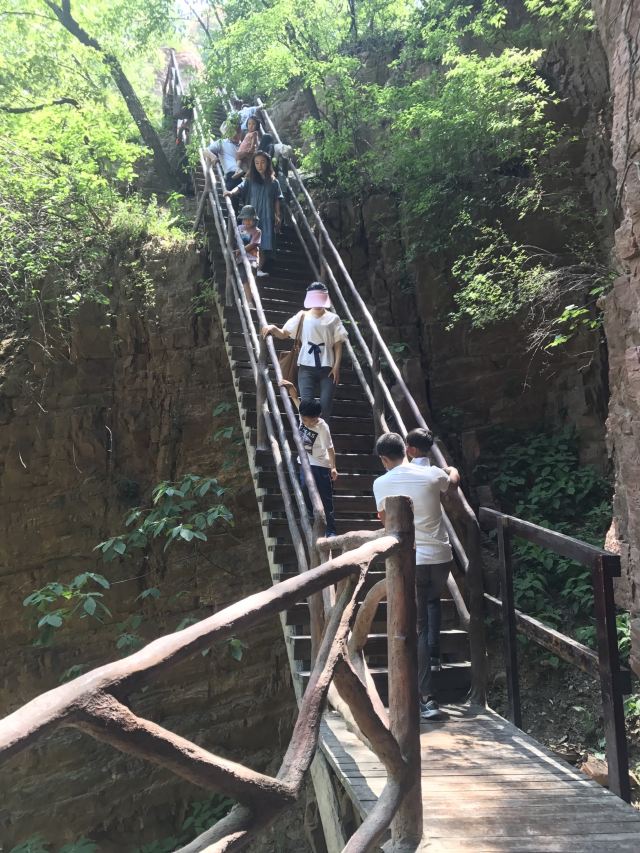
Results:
<point x="321" y="337"/>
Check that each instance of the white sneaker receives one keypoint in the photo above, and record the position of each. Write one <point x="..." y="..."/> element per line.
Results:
<point x="262" y="273"/>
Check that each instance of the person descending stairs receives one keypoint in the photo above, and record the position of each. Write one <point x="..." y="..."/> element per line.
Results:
<point x="354" y="433"/>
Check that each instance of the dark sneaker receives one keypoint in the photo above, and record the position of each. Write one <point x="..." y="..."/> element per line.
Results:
<point x="430" y="710"/>
<point x="436" y="665"/>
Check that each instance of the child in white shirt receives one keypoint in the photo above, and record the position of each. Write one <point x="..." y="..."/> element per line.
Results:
<point x="317" y="441"/>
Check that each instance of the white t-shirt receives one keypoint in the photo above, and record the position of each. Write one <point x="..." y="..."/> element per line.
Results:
<point x="226" y="151"/>
<point x="424" y="486"/>
<point x="318" y="336"/>
<point x="317" y="442"/>
<point x="423" y="461"/>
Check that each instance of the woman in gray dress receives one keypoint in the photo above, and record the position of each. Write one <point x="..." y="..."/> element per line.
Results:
<point x="261" y="190"/>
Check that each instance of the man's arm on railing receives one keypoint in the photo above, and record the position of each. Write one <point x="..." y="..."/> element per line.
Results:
<point x="454" y="477"/>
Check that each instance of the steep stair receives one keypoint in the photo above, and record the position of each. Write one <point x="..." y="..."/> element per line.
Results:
<point x="353" y="432"/>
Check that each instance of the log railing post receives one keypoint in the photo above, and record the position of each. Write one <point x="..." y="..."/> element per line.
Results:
<point x="228" y="295"/>
<point x="404" y="711"/>
<point x="378" y="419"/>
<point x="476" y="630"/>
<point x="603" y="573"/>
<point x="261" y="397"/>
<point x="510" y="632"/>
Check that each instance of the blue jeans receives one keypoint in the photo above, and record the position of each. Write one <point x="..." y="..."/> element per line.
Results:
<point x="431" y="581"/>
<point x="312" y="378"/>
<point x="322" y="476"/>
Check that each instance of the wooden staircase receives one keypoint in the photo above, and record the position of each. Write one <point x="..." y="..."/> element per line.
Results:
<point x="353" y="431"/>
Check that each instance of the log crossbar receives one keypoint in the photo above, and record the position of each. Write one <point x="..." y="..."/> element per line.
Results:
<point x="98" y="703"/>
<point x="603" y="664"/>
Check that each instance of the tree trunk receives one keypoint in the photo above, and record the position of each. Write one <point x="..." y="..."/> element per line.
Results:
<point x="136" y="110"/>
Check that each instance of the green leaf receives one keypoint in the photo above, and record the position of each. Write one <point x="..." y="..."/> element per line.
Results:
<point x="151" y="592"/>
<point x="236" y="648"/>
<point x="52" y="619"/>
<point x="89" y="605"/>
<point x="221" y="408"/>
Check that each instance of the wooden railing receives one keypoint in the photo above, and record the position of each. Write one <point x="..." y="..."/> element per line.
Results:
<point x="322" y="253"/>
<point x="603" y="664"/>
<point x="271" y="432"/>
<point x="367" y="360"/>
<point x="98" y="702"/>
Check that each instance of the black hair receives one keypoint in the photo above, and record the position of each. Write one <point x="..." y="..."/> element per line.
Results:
<point x="310" y="408"/>
<point x="254" y="175"/>
<point x="421" y="439"/>
<point x="391" y="445"/>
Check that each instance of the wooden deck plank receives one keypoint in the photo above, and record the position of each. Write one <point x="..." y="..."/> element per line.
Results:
<point x="490" y="788"/>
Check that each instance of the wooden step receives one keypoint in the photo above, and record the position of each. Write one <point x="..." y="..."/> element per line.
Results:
<point x="341" y="409"/>
<point x="246" y="385"/>
<point x="452" y="681"/>
<point x="278" y="528"/>
<point x="343" y="504"/>
<point x="341" y="424"/>
<point x="299" y="614"/>
<point x="355" y="484"/>
<point x="364" y="463"/>
<point x="344" y="445"/>
<point x="454" y="645"/>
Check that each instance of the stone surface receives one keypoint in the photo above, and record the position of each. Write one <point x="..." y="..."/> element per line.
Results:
<point x="470" y="382"/>
<point x="597" y="769"/>
<point x="84" y="435"/>
<point x="619" y="24"/>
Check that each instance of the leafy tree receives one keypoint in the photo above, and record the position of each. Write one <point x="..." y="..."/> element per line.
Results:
<point x="458" y="131"/>
<point x="70" y="150"/>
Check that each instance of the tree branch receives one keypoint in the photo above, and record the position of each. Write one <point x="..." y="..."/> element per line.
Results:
<point x="110" y="721"/>
<point x="58" y="102"/>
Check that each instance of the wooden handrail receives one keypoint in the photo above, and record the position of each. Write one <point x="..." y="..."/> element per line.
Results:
<point x="318" y="509"/>
<point x="473" y="617"/>
<point x="97" y="701"/>
<point x="605" y="665"/>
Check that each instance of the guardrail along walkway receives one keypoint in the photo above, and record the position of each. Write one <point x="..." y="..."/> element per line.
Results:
<point x="486" y="786"/>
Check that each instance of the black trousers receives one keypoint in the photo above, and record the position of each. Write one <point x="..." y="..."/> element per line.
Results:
<point x="322" y="476"/>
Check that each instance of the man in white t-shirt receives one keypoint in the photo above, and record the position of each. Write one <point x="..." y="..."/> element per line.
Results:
<point x="317" y="441"/>
<point x="424" y="485"/>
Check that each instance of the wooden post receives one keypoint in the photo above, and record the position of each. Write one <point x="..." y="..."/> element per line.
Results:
<point x="509" y="622"/>
<point x="228" y="292"/>
<point x="377" y="391"/>
<point x="475" y="587"/>
<point x="261" y="397"/>
<point x="603" y="573"/>
<point x="404" y="711"/>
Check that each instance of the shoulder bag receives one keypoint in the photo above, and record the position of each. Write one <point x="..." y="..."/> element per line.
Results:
<point x="289" y="360"/>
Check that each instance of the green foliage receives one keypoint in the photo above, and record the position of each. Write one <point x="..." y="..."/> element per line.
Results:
<point x="57" y="602"/>
<point x="181" y="512"/>
<point x="447" y="109"/>
<point x="68" y="170"/>
<point x="540" y="478"/>
<point x="178" y="512"/>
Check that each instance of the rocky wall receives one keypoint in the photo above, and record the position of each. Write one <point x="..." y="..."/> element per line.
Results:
<point x="619" y="25"/>
<point x="474" y="381"/>
<point x="88" y="425"/>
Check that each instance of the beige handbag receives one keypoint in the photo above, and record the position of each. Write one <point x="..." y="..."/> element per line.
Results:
<point x="289" y="360"/>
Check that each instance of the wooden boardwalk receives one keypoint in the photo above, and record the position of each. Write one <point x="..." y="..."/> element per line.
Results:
<point x="487" y="787"/>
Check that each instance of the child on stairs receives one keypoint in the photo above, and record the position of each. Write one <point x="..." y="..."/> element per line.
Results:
<point x="317" y="441"/>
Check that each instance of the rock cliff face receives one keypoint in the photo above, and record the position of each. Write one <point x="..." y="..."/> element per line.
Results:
<point x="619" y="24"/>
<point x="474" y="381"/>
<point x="85" y="432"/>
